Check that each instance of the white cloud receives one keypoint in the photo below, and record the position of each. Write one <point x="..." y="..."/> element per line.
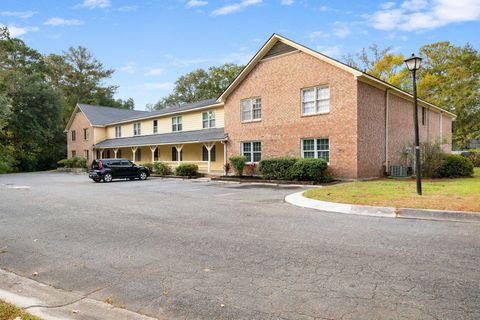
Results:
<point x="154" y="72"/>
<point x="314" y="35"/>
<point x="91" y="4"/>
<point x="333" y="51"/>
<point x="231" y="8"/>
<point x="19" y="31"/>
<point x="18" y="14"/>
<point x="196" y="3"/>
<point x="287" y="2"/>
<point x="63" y="22"/>
<point x="156" y="85"/>
<point x="413" y="15"/>
<point x="341" y="29"/>
<point x="182" y="62"/>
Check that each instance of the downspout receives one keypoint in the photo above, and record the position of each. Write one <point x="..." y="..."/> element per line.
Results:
<point x="386" y="131"/>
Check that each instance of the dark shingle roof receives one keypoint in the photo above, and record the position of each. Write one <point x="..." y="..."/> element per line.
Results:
<point x="99" y="115"/>
<point x="177" y="108"/>
<point x="203" y="135"/>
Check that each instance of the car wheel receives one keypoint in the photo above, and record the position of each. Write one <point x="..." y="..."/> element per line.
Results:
<point x="143" y="175"/>
<point x="107" y="177"/>
<point x="97" y="179"/>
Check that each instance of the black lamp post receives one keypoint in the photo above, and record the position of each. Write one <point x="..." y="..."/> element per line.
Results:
<point x="413" y="64"/>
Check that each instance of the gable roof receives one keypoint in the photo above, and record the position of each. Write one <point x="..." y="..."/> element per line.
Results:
<point x="271" y="45"/>
<point x="100" y="115"/>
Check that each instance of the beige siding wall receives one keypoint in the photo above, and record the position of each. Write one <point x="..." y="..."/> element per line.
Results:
<point x="100" y="134"/>
<point x="190" y="121"/>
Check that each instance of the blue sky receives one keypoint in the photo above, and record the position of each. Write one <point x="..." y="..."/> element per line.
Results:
<point x="151" y="43"/>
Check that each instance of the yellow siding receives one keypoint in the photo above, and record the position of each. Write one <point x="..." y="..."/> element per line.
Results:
<point x="100" y="134"/>
<point x="190" y="121"/>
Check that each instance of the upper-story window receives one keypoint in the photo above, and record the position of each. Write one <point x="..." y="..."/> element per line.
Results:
<point x="118" y="131"/>
<point x="155" y="126"/>
<point x="251" y="109"/>
<point x="74" y="135"/>
<point x="316" y="100"/>
<point x="137" y="130"/>
<point x="208" y="119"/>
<point x="424" y="115"/>
<point x="177" y="123"/>
<point x="85" y="134"/>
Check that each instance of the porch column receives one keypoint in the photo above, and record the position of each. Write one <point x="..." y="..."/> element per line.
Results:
<point x="179" y="148"/>
<point x="209" y="146"/>
<point x="101" y="153"/>
<point x="115" y="152"/>
<point x="134" y="151"/>
<point x="224" y="143"/>
<point x="153" y="148"/>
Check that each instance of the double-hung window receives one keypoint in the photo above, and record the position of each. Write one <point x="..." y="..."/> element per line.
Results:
<point x="251" y="109"/>
<point x="316" y="148"/>
<point x="85" y="134"/>
<point x="74" y="135"/>
<point x="118" y="131"/>
<point x="137" y="129"/>
<point x="208" y="119"/>
<point x="252" y="150"/>
<point x="316" y="100"/>
<point x="155" y="126"/>
<point x="86" y="154"/>
<point x="177" y="123"/>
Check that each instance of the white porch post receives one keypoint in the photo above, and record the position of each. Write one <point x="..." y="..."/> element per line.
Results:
<point x="179" y="148"/>
<point x="209" y="146"/>
<point x="134" y="151"/>
<point x="153" y="148"/>
<point x="115" y="152"/>
<point x="224" y="143"/>
<point x="101" y="153"/>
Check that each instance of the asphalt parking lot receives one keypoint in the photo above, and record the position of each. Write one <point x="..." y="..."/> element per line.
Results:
<point x="185" y="249"/>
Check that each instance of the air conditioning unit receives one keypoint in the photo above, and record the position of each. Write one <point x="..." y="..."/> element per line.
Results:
<point x="398" y="171"/>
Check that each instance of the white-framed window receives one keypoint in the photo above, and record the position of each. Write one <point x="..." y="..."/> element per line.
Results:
<point x="137" y="129"/>
<point x="155" y="126"/>
<point x="74" y="135"/>
<point x="177" y="123"/>
<point x="316" y="100"/>
<point x="118" y="131"/>
<point x="208" y="119"/>
<point x="252" y="150"/>
<point x="85" y="134"/>
<point x="316" y="148"/>
<point x="251" y="109"/>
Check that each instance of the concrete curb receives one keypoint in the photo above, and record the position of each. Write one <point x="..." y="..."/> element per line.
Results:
<point x="405" y="213"/>
<point x="50" y="303"/>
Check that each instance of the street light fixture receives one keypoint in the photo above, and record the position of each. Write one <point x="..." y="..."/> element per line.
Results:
<point x="413" y="64"/>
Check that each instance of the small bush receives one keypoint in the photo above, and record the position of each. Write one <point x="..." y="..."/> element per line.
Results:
<point x="309" y="170"/>
<point x="238" y="164"/>
<point x="186" y="170"/>
<point x="277" y="168"/>
<point x="250" y="169"/>
<point x="149" y="166"/>
<point x="162" y="169"/>
<point x="432" y="157"/>
<point x="5" y="167"/>
<point x="227" y="168"/>
<point x="474" y="155"/>
<point x="73" y="162"/>
<point x="455" y="166"/>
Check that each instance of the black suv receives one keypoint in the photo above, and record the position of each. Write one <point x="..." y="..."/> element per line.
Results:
<point x="109" y="169"/>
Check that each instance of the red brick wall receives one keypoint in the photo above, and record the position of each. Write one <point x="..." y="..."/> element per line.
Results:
<point x="278" y="81"/>
<point x="78" y="124"/>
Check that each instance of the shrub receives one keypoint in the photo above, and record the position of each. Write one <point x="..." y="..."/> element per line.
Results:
<point x="277" y="168"/>
<point x="73" y="162"/>
<point x="5" y="167"/>
<point x="149" y="166"/>
<point x="432" y="157"/>
<point x="238" y="164"/>
<point x="453" y="166"/>
<point x="162" y="169"/>
<point x="227" y="168"/>
<point x="250" y="169"/>
<point x="474" y="155"/>
<point x="309" y="170"/>
<point x="186" y="170"/>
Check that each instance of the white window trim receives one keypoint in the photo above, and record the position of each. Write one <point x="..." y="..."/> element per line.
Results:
<point x="177" y="123"/>
<point x="209" y="119"/>
<point x="316" y="94"/>
<point x="251" y="110"/>
<point x="118" y="129"/>
<point x="249" y="161"/>
<point x="138" y="131"/>
<point x="315" y="151"/>
<point x="154" y="127"/>
<point x="86" y="134"/>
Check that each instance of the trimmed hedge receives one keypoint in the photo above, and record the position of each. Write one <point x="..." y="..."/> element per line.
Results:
<point x="73" y="162"/>
<point x="238" y="164"/>
<point x="277" y="168"/>
<point x="454" y="166"/>
<point x="309" y="169"/>
<point x="186" y="170"/>
<point x="149" y="166"/>
<point x="162" y="169"/>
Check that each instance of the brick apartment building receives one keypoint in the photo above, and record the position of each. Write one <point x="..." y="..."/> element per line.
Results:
<point x="289" y="100"/>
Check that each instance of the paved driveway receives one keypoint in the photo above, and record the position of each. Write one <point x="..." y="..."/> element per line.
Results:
<point x="201" y="250"/>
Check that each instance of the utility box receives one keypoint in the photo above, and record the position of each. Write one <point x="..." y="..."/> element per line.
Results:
<point x="398" y="171"/>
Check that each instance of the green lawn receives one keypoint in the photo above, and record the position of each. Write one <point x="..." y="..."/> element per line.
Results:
<point x="10" y="312"/>
<point x="443" y="194"/>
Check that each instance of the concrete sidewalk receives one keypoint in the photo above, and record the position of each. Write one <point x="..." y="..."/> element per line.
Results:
<point x="50" y="303"/>
<point x="407" y="213"/>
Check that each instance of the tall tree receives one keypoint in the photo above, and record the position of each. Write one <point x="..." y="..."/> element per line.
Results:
<point x="200" y="85"/>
